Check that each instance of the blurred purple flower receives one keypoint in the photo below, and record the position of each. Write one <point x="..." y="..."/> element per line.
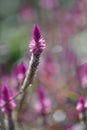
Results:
<point x="20" y="72"/>
<point x="81" y="108"/>
<point x="37" y="43"/>
<point x="26" y="13"/>
<point x="80" y="105"/>
<point x="43" y="103"/>
<point x="5" y="97"/>
<point x="39" y="107"/>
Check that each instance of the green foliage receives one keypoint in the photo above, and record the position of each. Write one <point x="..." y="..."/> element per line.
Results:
<point x="17" y="41"/>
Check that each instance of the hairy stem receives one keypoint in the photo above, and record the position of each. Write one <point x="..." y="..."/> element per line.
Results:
<point x="34" y="62"/>
<point x="2" y="124"/>
<point x="11" y="125"/>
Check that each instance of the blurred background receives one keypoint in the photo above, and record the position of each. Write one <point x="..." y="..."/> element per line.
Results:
<point x="62" y="73"/>
<point x="60" y="20"/>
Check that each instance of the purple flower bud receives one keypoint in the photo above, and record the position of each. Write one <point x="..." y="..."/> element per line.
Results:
<point x="20" y="72"/>
<point x="5" y="97"/>
<point x="82" y="108"/>
<point x="82" y="100"/>
<point x="80" y="105"/>
<point x="5" y="93"/>
<point x="37" y="43"/>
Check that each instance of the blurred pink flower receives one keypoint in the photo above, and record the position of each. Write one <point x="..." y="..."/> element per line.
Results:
<point x="5" y="97"/>
<point x="20" y="72"/>
<point x="26" y="13"/>
<point x="39" y="107"/>
<point x="81" y="104"/>
<point x="81" y="108"/>
<point x="43" y="103"/>
<point x="84" y="81"/>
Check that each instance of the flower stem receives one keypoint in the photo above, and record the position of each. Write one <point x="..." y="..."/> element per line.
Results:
<point x="11" y="125"/>
<point x="2" y="124"/>
<point x="34" y="62"/>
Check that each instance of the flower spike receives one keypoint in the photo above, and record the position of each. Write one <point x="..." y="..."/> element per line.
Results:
<point x="37" y="43"/>
<point x="36" y="33"/>
<point x="5" y="97"/>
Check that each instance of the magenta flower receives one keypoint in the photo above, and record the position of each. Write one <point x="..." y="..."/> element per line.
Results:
<point x="81" y="107"/>
<point x="37" y="43"/>
<point x="20" y="72"/>
<point x="5" y="97"/>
